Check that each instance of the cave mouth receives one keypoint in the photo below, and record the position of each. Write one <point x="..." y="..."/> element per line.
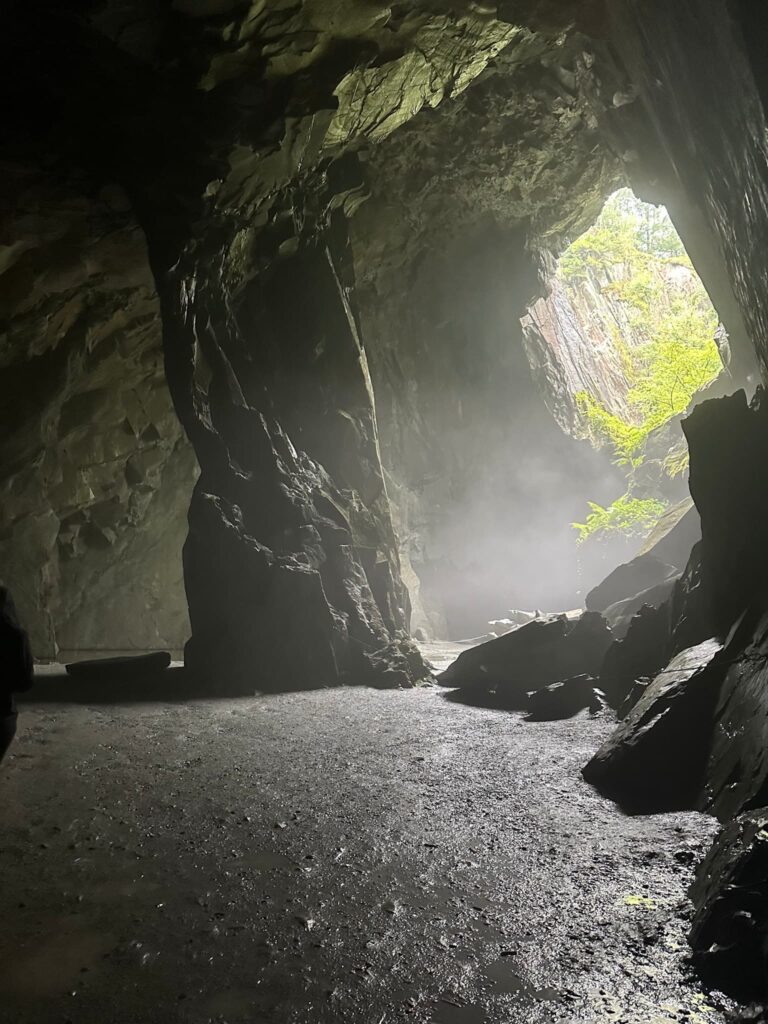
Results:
<point x="585" y="462"/>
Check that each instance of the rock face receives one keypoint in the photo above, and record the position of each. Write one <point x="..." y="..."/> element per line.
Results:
<point x="655" y="761"/>
<point x="95" y="475"/>
<point x="737" y="767"/>
<point x="543" y="652"/>
<point x="729" y="935"/>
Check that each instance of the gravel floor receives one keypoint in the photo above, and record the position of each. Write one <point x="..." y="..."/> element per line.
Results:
<point x="334" y="855"/>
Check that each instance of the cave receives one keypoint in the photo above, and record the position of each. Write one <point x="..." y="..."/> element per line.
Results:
<point x="313" y="707"/>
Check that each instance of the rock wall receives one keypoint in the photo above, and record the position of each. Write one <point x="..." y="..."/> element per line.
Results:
<point x="95" y="476"/>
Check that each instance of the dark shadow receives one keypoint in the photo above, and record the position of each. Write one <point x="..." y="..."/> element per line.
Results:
<point x="173" y="684"/>
<point x="487" y="699"/>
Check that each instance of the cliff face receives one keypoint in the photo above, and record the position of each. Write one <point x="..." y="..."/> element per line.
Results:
<point x="582" y="337"/>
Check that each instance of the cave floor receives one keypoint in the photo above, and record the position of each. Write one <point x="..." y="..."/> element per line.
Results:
<point x="335" y="855"/>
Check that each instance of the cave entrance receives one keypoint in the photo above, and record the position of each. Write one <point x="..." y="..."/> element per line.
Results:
<point x="625" y="339"/>
<point x="540" y="452"/>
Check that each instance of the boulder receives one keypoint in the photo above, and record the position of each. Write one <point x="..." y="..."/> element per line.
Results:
<point x="628" y="580"/>
<point x="533" y="656"/>
<point x="563" y="700"/>
<point x="655" y="760"/>
<point x="728" y="442"/>
<point x="620" y="615"/>
<point x="729" y="935"/>
<point x="643" y="652"/>
<point x="737" y="767"/>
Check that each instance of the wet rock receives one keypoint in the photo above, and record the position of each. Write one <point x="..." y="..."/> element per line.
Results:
<point x="563" y="699"/>
<point x="542" y="652"/>
<point x="729" y="935"/>
<point x="643" y="652"/>
<point x="628" y="580"/>
<point x="656" y="758"/>
<point x="621" y="614"/>
<point x="728" y="441"/>
<point x="737" y="768"/>
<point x="137" y="667"/>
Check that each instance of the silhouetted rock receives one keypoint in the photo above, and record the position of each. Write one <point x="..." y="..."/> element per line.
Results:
<point x="655" y="760"/>
<point x="620" y="615"/>
<point x="563" y="699"/>
<point x="728" y="442"/>
<point x="136" y="666"/>
<point x="643" y="652"/>
<point x="729" y="935"/>
<point x="737" y="768"/>
<point x="543" y="652"/>
<point x="16" y="666"/>
<point x="628" y="580"/>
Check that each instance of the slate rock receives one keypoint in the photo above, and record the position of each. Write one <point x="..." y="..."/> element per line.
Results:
<point x="628" y="580"/>
<point x="620" y="615"/>
<point x="729" y="935"/>
<point x="737" y="768"/>
<point x="655" y="760"/>
<point x="544" y="651"/>
<point x="563" y="699"/>
<point x="643" y="651"/>
<point x="728" y="443"/>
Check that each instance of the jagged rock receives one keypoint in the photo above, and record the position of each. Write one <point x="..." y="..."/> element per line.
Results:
<point x="621" y="614"/>
<point x="729" y="935"/>
<point x="562" y="700"/>
<point x="544" y="651"/>
<point x="675" y="534"/>
<point x="642" y="652"/>
<point x="123" y="669"/>
<point x="636" y="691"/>
<point x="629" y="580"/>
<point x="656" y="758"/>
<point x="728" y="440"/>
<point x="737" y="767"/>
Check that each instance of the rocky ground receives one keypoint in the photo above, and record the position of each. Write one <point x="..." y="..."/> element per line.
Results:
<point x="336" y="855"/>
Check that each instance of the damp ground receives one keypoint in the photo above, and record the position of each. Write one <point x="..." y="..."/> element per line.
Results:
<point x="335" y="855"/>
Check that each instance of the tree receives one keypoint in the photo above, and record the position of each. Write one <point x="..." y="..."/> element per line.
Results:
<point x="634" y="252"/>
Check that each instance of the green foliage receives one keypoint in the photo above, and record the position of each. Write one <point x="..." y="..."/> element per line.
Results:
<point x="632" y="517"/>
<point x="634" y="255"/>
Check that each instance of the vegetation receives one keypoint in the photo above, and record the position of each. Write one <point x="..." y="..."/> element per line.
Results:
<point x="633" y="255"/>
<point x="633" y="517"/>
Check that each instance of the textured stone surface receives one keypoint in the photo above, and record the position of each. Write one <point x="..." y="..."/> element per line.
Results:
<point x="655" y="760"/>
<point x="94" y="475"/>
<point x="730" y="924"/>
<point x="543" y="652"/>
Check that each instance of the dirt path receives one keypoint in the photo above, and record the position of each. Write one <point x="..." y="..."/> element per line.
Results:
<point x="338" y="855"/>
